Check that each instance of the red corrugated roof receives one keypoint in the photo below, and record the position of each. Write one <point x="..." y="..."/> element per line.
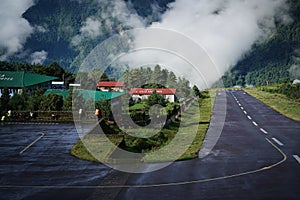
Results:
<point x="149" y="91"/>
<point x="109" y="84"/>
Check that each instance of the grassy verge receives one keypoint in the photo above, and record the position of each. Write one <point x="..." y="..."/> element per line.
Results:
<point x="91" y="143"/>
<point x="193" y="123"/>
<point x="206" y="107"/>
<point x="186" y="134"/>
<point x="278" y="102"/>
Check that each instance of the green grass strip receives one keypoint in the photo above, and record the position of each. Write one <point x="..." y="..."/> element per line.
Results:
<point x="279" y="102"/>
<point x="79" y="150"/>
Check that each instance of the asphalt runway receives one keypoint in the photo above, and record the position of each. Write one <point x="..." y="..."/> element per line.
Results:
<point x="29" y="171"/>
<point x="255" y="157"/>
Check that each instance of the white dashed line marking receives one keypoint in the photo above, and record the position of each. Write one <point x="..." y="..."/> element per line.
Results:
<point x="255" y="124"/>
<point x="249" y="117"/>
<point x="263" y="130"/>
<point x="297" y="158"/>
<point x="277" y="141"/>
<point x="240" y="104"/>
<point x="242" y="108"/>
<point x="245" y="112"/>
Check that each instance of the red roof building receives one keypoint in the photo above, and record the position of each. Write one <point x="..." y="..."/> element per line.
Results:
<point x="149" y="91"/>
<point x="110" y="86"/>
<point x="144" y="93"/>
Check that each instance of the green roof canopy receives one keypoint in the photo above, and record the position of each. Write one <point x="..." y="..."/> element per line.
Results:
<point x="99" y="95"/>
<point x="15" y="79"/>
<point x="88" y="94"/>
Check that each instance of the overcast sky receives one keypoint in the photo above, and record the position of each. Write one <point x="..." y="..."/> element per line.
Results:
<point x="226" y="30"/>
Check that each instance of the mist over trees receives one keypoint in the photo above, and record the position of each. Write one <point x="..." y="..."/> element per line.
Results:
<point x="270" y="61"/>
<point x="145" y="77"/>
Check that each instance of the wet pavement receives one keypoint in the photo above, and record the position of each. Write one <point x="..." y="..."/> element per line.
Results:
<point x="48" y="162"/>
<point x="247" y="162"/>
<point x="254" y="158"/>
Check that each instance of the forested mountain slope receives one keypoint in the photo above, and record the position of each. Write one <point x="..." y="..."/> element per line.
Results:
<point x="68" y="29"/>
<point x="274" y="60"/>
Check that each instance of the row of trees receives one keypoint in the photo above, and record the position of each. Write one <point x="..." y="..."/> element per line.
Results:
<point x="35" y="101"/>
<point x="290" y="90"/>
<point x="270" y="74"/>
<point x="156" y="78"/>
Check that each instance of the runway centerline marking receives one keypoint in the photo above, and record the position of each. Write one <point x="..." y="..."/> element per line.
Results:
<point x="32" y="143"/>
<point x="255" y="124"/>
<point x="242" y="108"/>
<point x="297" y="158"/>
<point x="249" y="117"/>
<point x="277" y="141"/>
<point x="245" y="112"/>
<point x="263" y="130"/>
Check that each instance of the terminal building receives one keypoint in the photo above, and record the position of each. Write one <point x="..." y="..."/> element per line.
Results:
<point x="15" y="81"/>
<point x="110" y="86"/>
<point x="144" y="93"/>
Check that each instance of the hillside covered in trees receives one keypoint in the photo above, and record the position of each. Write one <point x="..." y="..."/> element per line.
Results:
<point x="67" y="30"/>
<point x="60" y="27"/>
<point x="272" y="61"/>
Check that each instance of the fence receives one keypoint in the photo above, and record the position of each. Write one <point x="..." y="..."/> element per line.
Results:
<point x="47" y="116"/>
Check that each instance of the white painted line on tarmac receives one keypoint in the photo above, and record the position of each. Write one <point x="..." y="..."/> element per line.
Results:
<point x="32" y="143"/>
<point x="242" y="108"/>
<point x="245" y="112"/>
<point x="297" y="158"/>
<point x="240" y="104"/>
<point x="255" y="124"/>
<point x="263" y="130"/>
<point x="249" y="117"/>
<point x="277" y="141"/>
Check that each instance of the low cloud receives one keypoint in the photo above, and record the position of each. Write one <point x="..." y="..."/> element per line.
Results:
<point x="294" y="72"/>
<point x="225" y="29"/>
<point x="40" y="29"/>
<point x="38" y="57"/>
<point x="128" y="17"/>
<point x="113" y="14"/>
<point x="14" y="28"/>
<point x="91" y="29"/>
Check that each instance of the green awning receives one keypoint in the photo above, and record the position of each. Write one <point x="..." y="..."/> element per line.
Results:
<point x="88" y="94"/>
<point x="99" y="95"/>
<point x="18" y="79"/>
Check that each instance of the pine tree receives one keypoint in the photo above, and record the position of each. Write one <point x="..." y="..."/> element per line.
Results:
<point x="5" y="98"/>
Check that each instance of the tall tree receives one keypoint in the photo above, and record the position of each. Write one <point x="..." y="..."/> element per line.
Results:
<point x="196" y="91"/>
<point x="155" y="98"/>
<point x="18" y="101"/>
<point x="156" y="75"/>
<point x="5" y="97"/>
<point x="35" y="99"/>
<point x="171" y="80"/>
<point x="51" y="102"/>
